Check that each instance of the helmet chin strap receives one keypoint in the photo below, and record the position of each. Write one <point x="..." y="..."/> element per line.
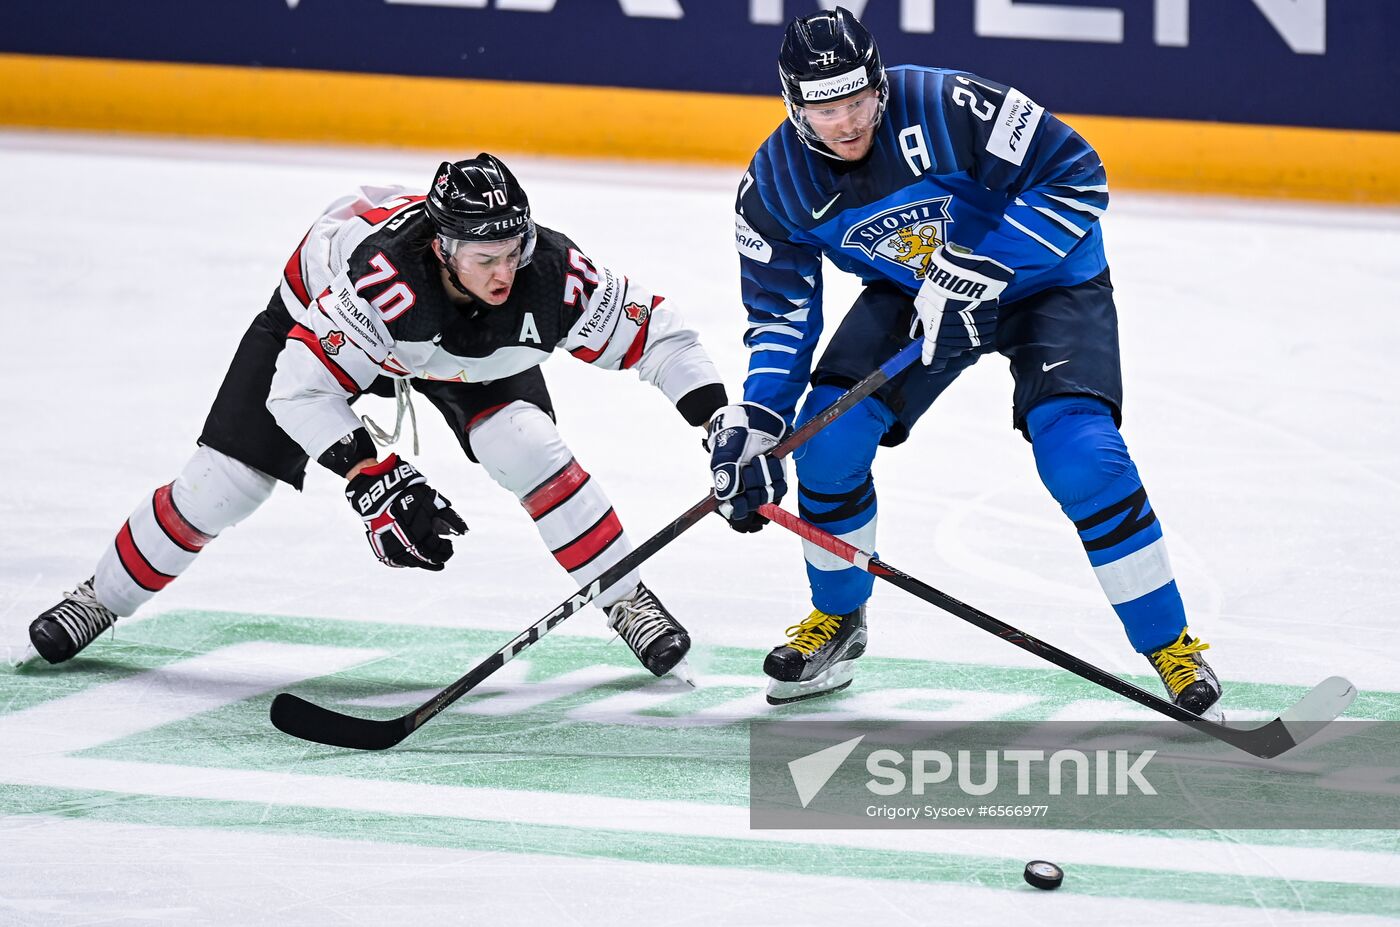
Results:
<point x="457" y="284"/>
<point x="820" y="148"/>
<point x="452" y="277"/>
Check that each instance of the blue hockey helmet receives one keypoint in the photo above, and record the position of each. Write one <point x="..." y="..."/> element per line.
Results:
<point x="826" y="58"/>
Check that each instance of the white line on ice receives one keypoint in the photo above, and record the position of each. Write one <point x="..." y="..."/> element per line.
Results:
<point x="163" y="696"/>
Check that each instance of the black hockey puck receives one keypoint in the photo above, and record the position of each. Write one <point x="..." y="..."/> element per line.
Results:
<point x="1044" y="875"/>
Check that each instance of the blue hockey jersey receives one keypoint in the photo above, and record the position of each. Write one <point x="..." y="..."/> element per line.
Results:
<point x="955" y="157"/>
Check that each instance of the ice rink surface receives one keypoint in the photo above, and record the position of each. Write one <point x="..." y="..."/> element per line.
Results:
<point x="143" y="784"/>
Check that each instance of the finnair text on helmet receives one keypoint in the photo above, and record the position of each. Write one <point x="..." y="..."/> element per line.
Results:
<point x="1111" y="771"/>
<point x="829" y="88"/>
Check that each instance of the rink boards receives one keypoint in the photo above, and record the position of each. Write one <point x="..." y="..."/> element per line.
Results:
<point x="1294" y="98"/>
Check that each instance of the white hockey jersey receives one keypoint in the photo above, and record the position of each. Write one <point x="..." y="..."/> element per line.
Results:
<point x="368" y="298"/>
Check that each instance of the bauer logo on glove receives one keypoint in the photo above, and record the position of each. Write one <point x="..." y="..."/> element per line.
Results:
<point x="404" y="529"/>
<point x="387" y="481"/>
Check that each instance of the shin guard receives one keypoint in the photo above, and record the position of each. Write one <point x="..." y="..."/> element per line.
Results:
<point x="1084" y="462"/>
<point x="171" y="526"/>
<point x="836" y="492"/>
<point x="523" y="451"/>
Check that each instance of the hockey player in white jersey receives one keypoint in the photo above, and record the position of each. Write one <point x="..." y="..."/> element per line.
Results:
<point x="459" y="295"/>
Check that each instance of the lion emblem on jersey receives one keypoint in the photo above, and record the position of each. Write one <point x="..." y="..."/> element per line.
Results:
<point x="333" y="342"/>
<point x="637" y="312"/>
<point x="906" y="236"/>
<point x="917" y="248"/>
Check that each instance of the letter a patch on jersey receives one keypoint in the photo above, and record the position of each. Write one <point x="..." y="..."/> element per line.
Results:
<point x="528" y="330"/>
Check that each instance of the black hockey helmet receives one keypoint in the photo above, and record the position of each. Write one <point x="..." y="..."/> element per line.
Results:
<point x="479" y="200"/>
<point x="825" y="58"/>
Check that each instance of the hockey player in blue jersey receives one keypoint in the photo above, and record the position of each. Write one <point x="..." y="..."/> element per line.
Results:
<point x="971" y="215"/>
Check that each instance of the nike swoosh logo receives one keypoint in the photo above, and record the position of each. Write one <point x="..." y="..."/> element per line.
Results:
<point x="818" y="213"/>
<point x="1049" y="367"/>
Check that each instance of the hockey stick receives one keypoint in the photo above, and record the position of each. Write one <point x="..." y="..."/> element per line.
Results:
<point x="1302" y="720"/>
<point x="300" y="718"/>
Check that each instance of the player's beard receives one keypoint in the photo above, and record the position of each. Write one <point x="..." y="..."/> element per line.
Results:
<point x="854" y="149"/>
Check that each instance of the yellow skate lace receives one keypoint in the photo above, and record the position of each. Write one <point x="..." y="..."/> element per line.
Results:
<point x="818" y="628"/>
<point x="1176" y="662"/>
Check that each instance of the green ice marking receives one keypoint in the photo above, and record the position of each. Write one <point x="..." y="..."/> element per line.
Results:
<point x="428" y="658"/>
<point x="543" y="748"/>
<point x="1156" y="884"/>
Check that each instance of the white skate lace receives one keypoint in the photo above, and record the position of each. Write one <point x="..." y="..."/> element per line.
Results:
<point x="640" y="620"/>
<point x="403" y="399"/>
<point x="82" y="616"/>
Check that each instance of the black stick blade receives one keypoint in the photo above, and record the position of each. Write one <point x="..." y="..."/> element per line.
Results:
<point x="300" y="718"/>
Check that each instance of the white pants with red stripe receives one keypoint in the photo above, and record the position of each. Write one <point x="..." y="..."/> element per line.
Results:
<point x="522" y="450"/>
<point x="171" y="526"/>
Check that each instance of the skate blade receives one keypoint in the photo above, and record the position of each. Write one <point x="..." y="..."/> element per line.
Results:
<point x="1214" y="714"/>
<point x="684" y="672"/>
<point x="835" y="678"/>
<point x="28" y="657"/>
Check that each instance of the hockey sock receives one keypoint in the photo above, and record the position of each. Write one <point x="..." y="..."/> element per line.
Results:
<point x="1085" y="464"/>
<point x="523" y="451"/>
<point x="836" y="492"/>
<point x="171" y="526"/>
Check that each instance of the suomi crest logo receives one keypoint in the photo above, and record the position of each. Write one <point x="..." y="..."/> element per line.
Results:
<point x="906" y="235"/>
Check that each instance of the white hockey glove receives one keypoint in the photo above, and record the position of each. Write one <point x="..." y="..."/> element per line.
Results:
<point x="745" y="476"/>
<point x="957" y="305"/>
<point x="406" y="521"/>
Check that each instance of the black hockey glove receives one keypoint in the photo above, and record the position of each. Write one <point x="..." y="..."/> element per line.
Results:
<point x="744" y="475"/>
<point x="956" y="307"/>
<point x="406" y="521"/>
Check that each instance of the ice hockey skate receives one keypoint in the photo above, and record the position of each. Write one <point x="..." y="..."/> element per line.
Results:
<point x="1190" y="682"/>
<point x="818" y="659"/>
<point x="61" y="632"/>
<point x="654" y="635"/>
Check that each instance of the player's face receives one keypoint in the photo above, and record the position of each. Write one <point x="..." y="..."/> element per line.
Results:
<point x="847" y="127"/>
<point x="487" y="269"/>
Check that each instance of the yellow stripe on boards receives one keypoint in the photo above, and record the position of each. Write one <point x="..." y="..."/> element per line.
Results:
<point x="1341" y="165"/>
<point x="377" y="109"/>
<point x="278" y="104"/>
